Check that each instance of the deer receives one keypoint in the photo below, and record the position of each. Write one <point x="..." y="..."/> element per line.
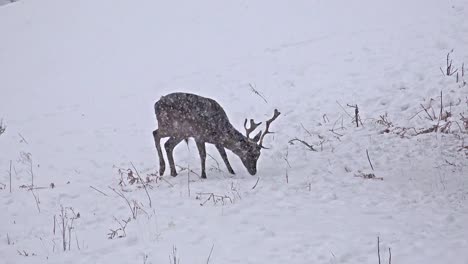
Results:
<point x="183" y="115"/>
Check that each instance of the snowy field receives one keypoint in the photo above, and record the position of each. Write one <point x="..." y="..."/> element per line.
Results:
<point x="78" y="83"/>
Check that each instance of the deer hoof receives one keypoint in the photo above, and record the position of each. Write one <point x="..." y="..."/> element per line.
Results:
<point x="161" y="170"/>
<point x="173" y="173"/>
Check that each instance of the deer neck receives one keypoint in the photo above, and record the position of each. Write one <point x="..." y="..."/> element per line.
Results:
<point x="234" y="141"/>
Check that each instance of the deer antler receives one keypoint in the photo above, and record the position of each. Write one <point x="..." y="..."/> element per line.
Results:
<point x="275" y="115"/>
<point x="253" y="126"/>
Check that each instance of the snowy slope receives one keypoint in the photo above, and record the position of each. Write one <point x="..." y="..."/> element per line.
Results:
<point x="78" y="80"/>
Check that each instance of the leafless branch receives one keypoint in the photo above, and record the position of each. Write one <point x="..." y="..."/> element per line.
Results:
<point x="217" y="163"/>
<point x="449" y="71"/>
<point x="36" y="199"/>
<point x="185" y="169"/>
<point x="98" y="190"/>
<point x="209" y="256"/>
<point x="425" y="110"/>
<point x="173" y="258"/>
<point x="310" y="147"/>
<point x="258" y="179"/>
<point x="441" y="107"/>
<point x="389" y="256"/>
<point x="257" y="92"/>
<point x="2" y="127"/>
<point x="305" y="129"/>
<point x="188" y="182"/>
<point x="9" y="173"/>
<point x="357" y="118"/>
<point x="142" y="182"/>
<point x="133" y="209"/>
<point x="367" y="152"/>
<point x="346" y="112"/>
<point x="215" y="198"/>
<point x="23" y="139"/>
<point x="119" y="232"/>
<point x="378" y="248"/>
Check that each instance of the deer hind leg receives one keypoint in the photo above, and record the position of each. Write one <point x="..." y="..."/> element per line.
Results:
<point x="169" y="146"/>
<point x="223" y="154"/>
<point x="202" y="152"/>
<point x="157" y="142"/>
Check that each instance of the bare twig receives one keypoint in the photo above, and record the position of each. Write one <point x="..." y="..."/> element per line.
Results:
<point x="449" y="68"/>
<point x="2" y="127"/>
<point x="378" y="248"/>
<point x="185" y="168"/>
<point x="98" y="190"/>
<point x="367" y="152"/>
<point x="76" y="239"/>
<point x="441" y="106"/>
<point x="188" y="181"/>
<point x="9" y="173"/>
<point x="258" y="179"/>
<point x="310" y="147"/>
<point x="25" y="254"/>
<point x="142" y="182"/>
<point x="413" y="116"/>
<point x="119" y="232"/>
<point x="23" y="139"/>
<point x="174" y="259"/>
<point x="63" y="217"/>
<point x="325" y="118"/>
<point x="305" y="129"/>
<point x="286" y="158"/>
<point x="217" y="163"/>
<point x="67" y="225"/>
<point x="134" y="209"/>
<point x="389" y="256"/>
<point x="369" y="176"/>
<point x="357" y="118"/>
<point x="215" y="198"/>
<point x="209" y="256"/>
<point x="425" y="110"/>
<point x="168" y="182"/>
<point x="346" y="112"/>
<point x="36" y="199"/>
<point x="257" y="92"/>
<point x="26" y="158"/>
<point x="443" y="73"/>
<point x="338" y="134"/>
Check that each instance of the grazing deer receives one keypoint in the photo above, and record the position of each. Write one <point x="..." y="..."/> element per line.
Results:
<point x="183" y="115"/>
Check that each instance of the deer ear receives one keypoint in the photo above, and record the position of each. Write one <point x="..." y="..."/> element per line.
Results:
<point x="257" y="137"/>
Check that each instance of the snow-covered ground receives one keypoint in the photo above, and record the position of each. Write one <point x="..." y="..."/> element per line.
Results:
<point x="78" y="80"/>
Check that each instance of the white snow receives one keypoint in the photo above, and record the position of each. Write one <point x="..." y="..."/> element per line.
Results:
<point x="78" y="80"/>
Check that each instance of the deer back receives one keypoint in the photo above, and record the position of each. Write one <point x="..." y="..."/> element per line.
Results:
<point x="187" y="115"/>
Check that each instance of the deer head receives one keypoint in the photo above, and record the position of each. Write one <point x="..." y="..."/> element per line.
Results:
<point x="253" y="146"/>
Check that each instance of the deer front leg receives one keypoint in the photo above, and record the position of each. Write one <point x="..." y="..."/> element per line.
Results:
<point x="169" y="146"/>
<point x="157" y="142"/>
<point x="223" y="154"/>
<point x="202" y="152"/>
